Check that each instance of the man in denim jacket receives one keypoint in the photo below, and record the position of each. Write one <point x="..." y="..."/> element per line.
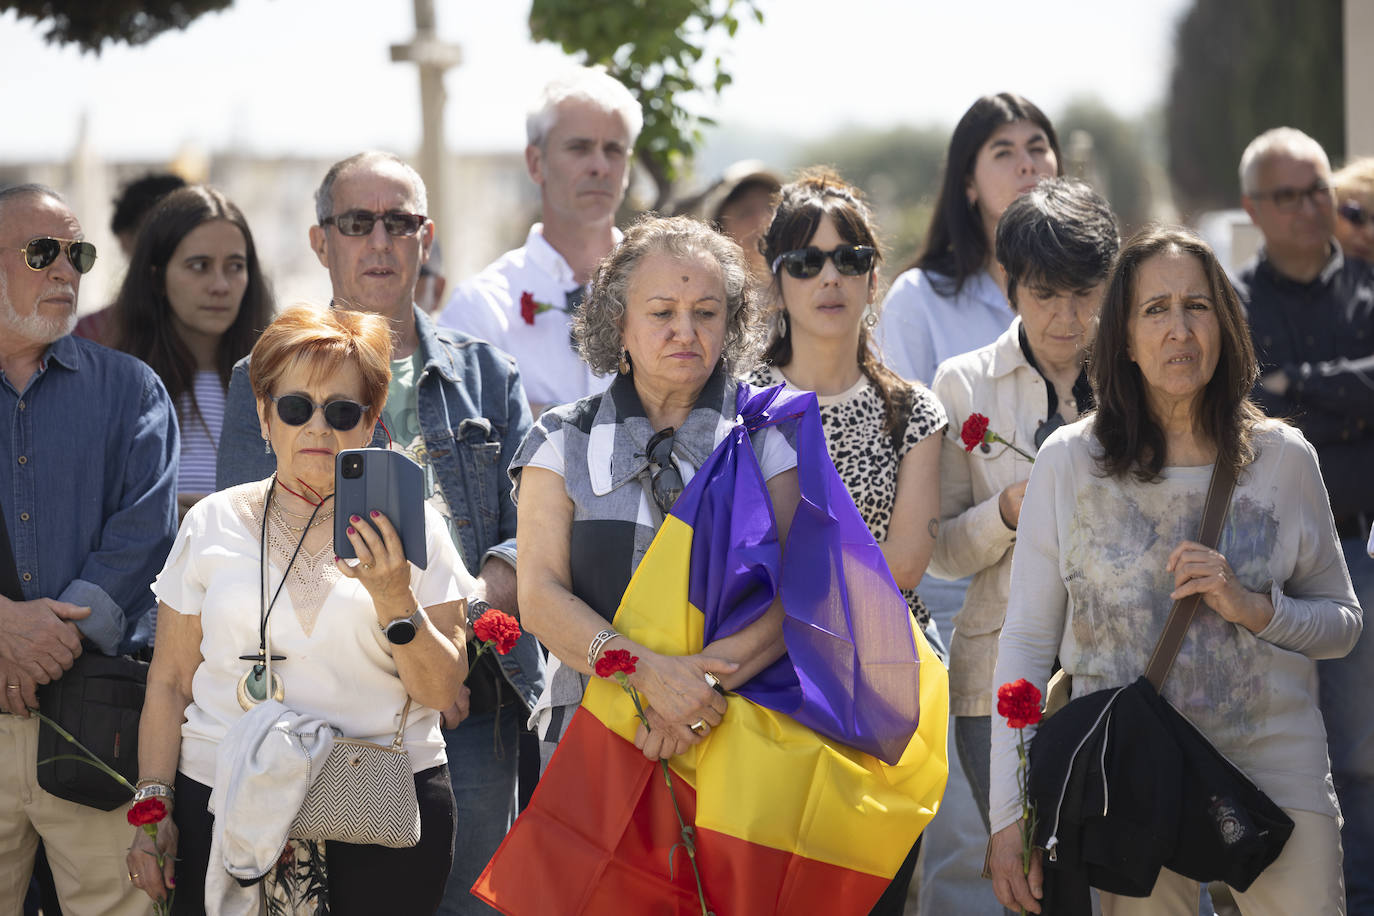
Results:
<point x="457" y="407"/>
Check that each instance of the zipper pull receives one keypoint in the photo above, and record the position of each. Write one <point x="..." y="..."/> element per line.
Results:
<point x="1052" y="847"/>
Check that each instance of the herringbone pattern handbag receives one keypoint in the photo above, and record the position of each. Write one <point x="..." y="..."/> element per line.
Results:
<point x="365" y="794"/>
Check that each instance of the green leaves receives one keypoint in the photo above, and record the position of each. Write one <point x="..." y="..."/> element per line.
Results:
<point x="90" y="25"/>
<point x="657" y="48"/>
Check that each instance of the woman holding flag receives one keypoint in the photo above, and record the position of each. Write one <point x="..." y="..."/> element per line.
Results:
<point x="692" y="530"/>
<point x="672" y="312"/>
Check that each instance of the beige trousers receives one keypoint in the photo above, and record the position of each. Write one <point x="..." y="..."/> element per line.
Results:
<point x="1305" y="879"/>
<point x="85" y="846"/>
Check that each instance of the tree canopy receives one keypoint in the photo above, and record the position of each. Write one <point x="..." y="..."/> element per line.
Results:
<point x="657" y="48"/>
<point x="1240" y="69"/>
<point x="91" y="24"/>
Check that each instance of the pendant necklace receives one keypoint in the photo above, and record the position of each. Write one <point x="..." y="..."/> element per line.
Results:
<point x="253" y="686"/>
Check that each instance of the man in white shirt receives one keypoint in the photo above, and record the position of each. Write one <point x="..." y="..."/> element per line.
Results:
<point x="581" y="133"/>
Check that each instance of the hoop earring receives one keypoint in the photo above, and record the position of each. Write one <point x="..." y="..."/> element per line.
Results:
<point x="784" y="323"/>
<point x="624" y="361"/>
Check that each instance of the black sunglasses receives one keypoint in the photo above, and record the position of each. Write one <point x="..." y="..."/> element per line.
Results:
<point x="666" y="481"/>
<point x="805" y="263"/>
<point x="297" y="409"/>
<point x="39" y="253"/>
<point x="1354" y="214"/>
<point x="397" y="223"/>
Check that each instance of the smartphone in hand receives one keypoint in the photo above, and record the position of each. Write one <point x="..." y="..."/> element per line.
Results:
<point x="379" y="479"/>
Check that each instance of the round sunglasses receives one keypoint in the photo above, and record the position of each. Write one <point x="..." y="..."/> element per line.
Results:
<point x="397" y="223"/>
<point x="805" y="263"/>
<point x="1354" y="214"/>
<point x="39" y="253"/>
<point x="297" y="409"/>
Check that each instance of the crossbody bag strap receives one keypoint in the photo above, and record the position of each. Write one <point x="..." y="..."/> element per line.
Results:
<point x="399" y="741"/>
<point x="9" y="573"/>
<point x="1213" y="514"/>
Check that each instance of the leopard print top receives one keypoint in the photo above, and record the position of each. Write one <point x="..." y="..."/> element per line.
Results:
<point x="862" y="451"/>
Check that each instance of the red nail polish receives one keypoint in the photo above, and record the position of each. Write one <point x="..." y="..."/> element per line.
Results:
<point x="351" y="530"/>
<point x="355" y="518"/>
<point x="375" y="513"/>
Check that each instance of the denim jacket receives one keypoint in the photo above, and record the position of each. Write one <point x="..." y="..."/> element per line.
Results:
<point x="473" y="416"/>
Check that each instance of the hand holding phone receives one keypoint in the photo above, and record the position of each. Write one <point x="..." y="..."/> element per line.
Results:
<point x="386" y="481"/>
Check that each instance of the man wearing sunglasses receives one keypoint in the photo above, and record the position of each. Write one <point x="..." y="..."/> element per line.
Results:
<point x="88" y="468"/>
<point x="457" y="407"/>
<point x="1311" y="311"/>
<point x="581" y="135"/>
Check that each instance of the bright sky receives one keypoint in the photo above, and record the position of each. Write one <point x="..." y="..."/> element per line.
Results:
<point x="315" y="77"/>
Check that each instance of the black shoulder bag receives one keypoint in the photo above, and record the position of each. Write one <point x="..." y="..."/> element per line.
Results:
<point x="99" y="700"/>
<point x="1124" y="784"/>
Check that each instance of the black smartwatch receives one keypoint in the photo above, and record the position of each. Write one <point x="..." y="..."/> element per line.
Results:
<point x="403" y="630"/>
<point x="476" y="608"/>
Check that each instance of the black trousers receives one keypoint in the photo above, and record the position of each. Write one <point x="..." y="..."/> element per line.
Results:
<point x="363" y="880"/>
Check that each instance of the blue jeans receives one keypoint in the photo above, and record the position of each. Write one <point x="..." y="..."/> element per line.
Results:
<point x="973" y="738"/>
<point x="483" y="765"/>
<point x="1347" y="696"/>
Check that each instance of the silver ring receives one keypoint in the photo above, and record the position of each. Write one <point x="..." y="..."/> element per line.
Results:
<point x="699" y="726"/>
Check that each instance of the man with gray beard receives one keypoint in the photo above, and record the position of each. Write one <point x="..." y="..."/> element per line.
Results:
<point x="88" y="469"/>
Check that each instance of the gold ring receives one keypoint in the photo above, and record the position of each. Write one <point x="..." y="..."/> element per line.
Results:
<point x="11" y="686"/>
<point x="132" y="876"/>
<point x="714" y="683"/>
<point x="367" y="566"/>
<point x="699" y="726"/>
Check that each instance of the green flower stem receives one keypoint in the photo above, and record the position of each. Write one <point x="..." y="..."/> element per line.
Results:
<point x="90" y="758"/>
<point x="688" y="842"/>
<point x="991" y="436"/>
<point x="1027" y="808"/>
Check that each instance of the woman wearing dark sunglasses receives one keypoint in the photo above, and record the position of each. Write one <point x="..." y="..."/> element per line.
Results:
<point x="1354" y="187"/>
<point x="671" y="311"/>
<point x="881" y="431"/>
<point x="253" y="576"/>
<point x="193" y="303"/>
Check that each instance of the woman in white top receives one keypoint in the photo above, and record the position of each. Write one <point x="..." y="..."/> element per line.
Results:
<point x="1056" y="244"/>
<point x="881" y="432"/>
<point x="952" y="298"/>
<point x="349" y="641"/>
<point x="192" y="304"/>
<point x="1104" y="549"/>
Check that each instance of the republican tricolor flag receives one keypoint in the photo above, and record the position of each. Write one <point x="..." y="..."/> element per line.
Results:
<point x="828" y="764"/>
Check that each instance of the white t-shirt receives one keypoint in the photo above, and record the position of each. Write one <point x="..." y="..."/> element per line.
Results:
<point x="338" y="665"/>
<point x="488" y="306"/>
<point x="919" y="328"/>
<point x="1089" y="583"/>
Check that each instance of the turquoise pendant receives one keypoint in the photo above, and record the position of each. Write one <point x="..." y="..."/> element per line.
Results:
<point x="252" y="687"/>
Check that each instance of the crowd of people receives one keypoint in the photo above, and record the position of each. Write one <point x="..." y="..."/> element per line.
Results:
<point x="185" y="440"/>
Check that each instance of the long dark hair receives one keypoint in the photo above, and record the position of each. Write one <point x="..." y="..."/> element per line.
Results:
<point x="802" y="205"/>
<point x="1131" y="438"/>
<point x="956" y="246"/>
<point x="142" y="313"/>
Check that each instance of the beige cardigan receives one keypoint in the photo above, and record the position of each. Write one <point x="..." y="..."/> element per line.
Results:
<point x="998" y="382"/>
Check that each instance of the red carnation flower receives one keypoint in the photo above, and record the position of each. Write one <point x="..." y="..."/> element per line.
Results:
<point x="148" y="811"/>
<point x="974" y="431"/>
<point x="1019" y="703"/>
<point x="616" y="661"/>
<point x="527" y="307"/>
<point x="498" y="628"/>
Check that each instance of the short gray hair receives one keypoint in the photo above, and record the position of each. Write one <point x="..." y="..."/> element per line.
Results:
<point x="13" y="191"/>
<point x="324" y="195"/>
<point x="1276" y="141"/>
<point x="587" y="84"/>
<point x="597" y="325"/>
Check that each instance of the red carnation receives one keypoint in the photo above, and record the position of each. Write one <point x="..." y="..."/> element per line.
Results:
<point x="498" y="628"/>
<point x="527" y="307"/>
<point x="148" y="811"/>
<point x="974" y="431"/>
<point x="616" y="661"/>
<point x="1019" y="703"/>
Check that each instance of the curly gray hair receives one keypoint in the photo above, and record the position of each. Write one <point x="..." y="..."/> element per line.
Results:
<point x="597" y="325"/>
